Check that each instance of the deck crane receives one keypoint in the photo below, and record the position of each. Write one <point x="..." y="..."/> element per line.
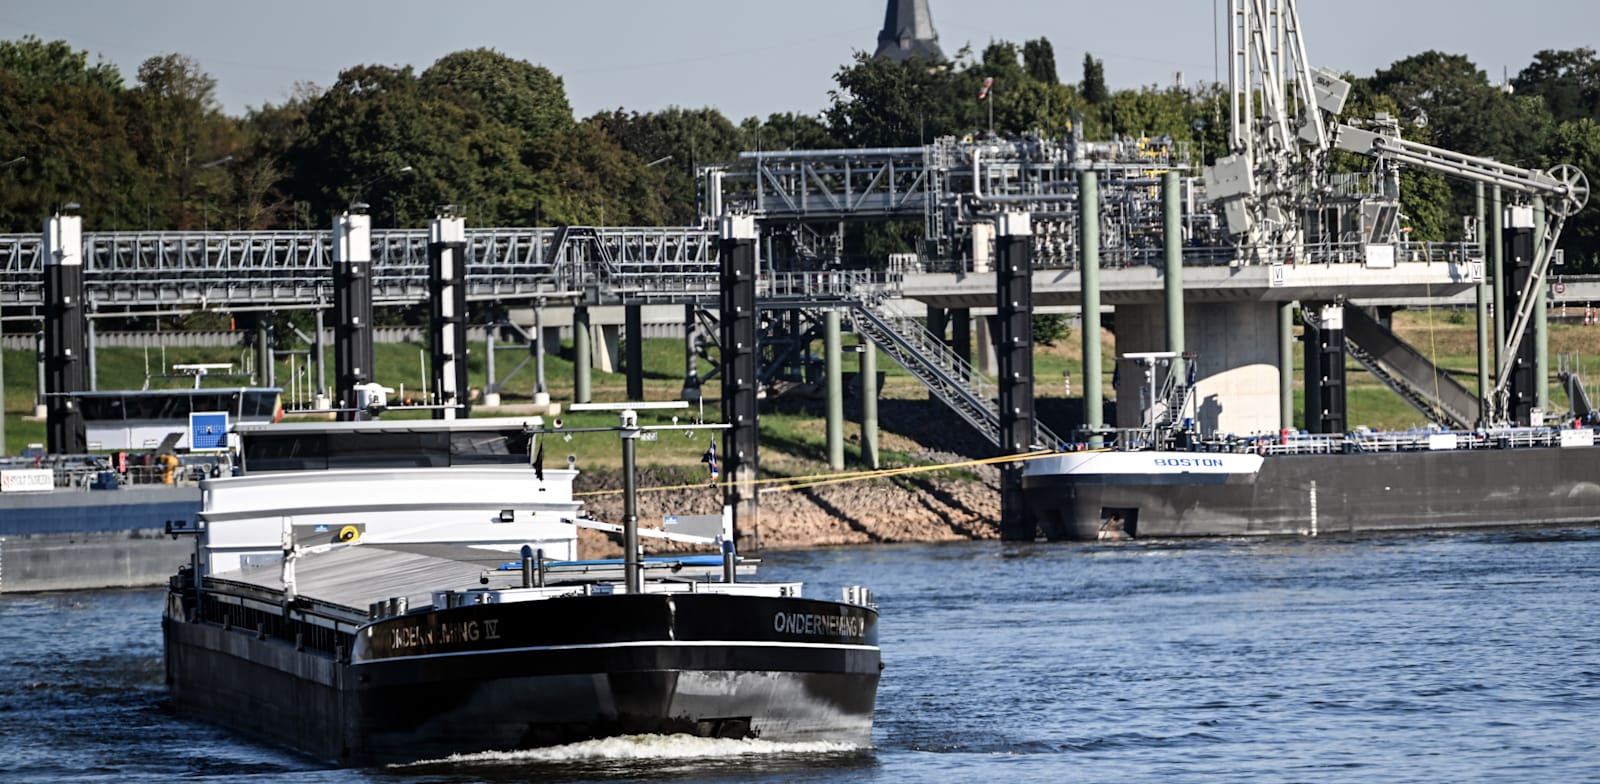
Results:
<point x="1284" y="125"/>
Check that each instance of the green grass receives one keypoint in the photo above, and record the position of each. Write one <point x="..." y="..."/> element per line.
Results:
<point x="1450" y="339"/>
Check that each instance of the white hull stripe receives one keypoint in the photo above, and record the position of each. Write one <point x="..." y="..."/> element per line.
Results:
<point x="635" y="644"/>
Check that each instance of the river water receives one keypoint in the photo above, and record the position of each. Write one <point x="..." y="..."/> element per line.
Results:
<point x="1460" y="657"/>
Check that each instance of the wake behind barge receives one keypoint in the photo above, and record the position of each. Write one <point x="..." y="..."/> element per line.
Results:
<point x="1321" y="484"/>
<point x="388" y="592"/>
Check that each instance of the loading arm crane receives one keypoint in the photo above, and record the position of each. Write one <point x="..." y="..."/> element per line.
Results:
<point x="1565" y="189"/>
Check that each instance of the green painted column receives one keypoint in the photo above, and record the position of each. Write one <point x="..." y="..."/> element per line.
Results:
<point x="834" y="371"/>
<point x="582" y="359"/>
<point x="1172" y="229"/>
<point x="1485" y="387"/>
<point x="1286" y="365"/>
<point x="1541" y="313"/>
<point x="869" y="404"/>
<point x="1089" y="281"/>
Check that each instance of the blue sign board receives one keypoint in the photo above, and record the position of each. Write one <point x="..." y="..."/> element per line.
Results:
<point x="208" y="432"/>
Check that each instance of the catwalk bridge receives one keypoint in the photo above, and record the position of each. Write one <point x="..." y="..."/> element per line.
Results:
<point x="134" y="273"/>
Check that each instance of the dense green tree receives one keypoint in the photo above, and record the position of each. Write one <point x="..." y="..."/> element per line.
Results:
<point x="43" y="66"/>
<point x="528" y="98"/>
<point x="1040" y="58"/>
<point x="678" y="142"/>
<point x="1149" y="112"/>
<point x="789" y="131"/>
<point x="1568" y="82"/>
<point x="586" y="178"/>
<point x="182" y="137"/>
<point x="1578" y="143"/>
<point x="1467" y="113"/>
<point x="376" y="121"/>
<point x="883" y="103"/>
<point x="261" y="197"/>
<point x="1094" y="81"/>
<point x="63" y="138"/>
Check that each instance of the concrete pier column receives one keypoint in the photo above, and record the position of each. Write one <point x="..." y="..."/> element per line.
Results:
<point x="606" y="340"/>
<point x="265" y="371"/>
<point x="691" y="358"/>
<point x="1286" y="366"/>
<point x="833" y="370"/>
<point x="869" y="403"/>
<point x="986" y="331"/>
<point x="961" y="333"/>
<point x="582" y="359"/>
<point x="1485" y="386"/>
<point x="542" y="337"/>
<point x="64" y="320"/>
<point x="41" y="383"/>
<point x="491" y="379"/>
<point x="89" y="354"/>
<point x="1238" y="384"/>
<point x="633" y="343"/>
<point x="1089" y="224"/>
<point x="938" y="322"/>
<point x="320" y="349"/>
<point x="1172" y="231"/>
<point x="352" y="309"/>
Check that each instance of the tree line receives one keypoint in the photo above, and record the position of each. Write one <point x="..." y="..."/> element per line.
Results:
<point x="497" y="137"/>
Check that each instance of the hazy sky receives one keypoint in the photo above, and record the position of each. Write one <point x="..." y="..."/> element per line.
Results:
<point x="753" y="57"/>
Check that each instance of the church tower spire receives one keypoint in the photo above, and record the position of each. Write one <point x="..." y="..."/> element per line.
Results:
<point x="908" y="31"/>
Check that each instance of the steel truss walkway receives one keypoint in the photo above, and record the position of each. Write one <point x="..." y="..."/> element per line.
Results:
<point x="952" y="184"/>
<point x="870" y="298"/>
<point x="140" y="271"/>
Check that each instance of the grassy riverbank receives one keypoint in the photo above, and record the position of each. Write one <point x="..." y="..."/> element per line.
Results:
<point x="792" y="430"/>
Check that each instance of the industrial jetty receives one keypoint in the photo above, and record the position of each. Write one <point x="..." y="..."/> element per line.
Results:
<point x="377" y="592"/>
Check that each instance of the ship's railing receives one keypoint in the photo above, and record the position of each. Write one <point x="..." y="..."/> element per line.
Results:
<point x="97" y="472"/>
<point x="1360" y="441"/>
<point x="1390" y="441"/>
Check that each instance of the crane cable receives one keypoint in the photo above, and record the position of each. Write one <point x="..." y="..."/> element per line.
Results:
<point x="791" y="483"/>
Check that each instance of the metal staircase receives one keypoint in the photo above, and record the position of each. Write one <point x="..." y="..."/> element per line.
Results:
<point x="1571" y="379"/>
<point x="1429" y="389"/>
<point x="927" y="357"/>
<point x="1167" y="415"/>
<point x="1418" y="400"/>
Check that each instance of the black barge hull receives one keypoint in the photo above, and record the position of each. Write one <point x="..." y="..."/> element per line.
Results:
<point x="504" y="677"/>
<point x="1310" y="494"/>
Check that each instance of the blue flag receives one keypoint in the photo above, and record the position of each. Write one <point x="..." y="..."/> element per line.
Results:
<point x="710" y="459"/>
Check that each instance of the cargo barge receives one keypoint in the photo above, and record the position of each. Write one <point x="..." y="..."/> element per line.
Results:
<point x="1310" y="484"/>
<point x="370" y="593"/>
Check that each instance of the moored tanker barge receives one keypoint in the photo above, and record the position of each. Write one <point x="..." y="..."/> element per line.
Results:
<point x="1321" y="484"/>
